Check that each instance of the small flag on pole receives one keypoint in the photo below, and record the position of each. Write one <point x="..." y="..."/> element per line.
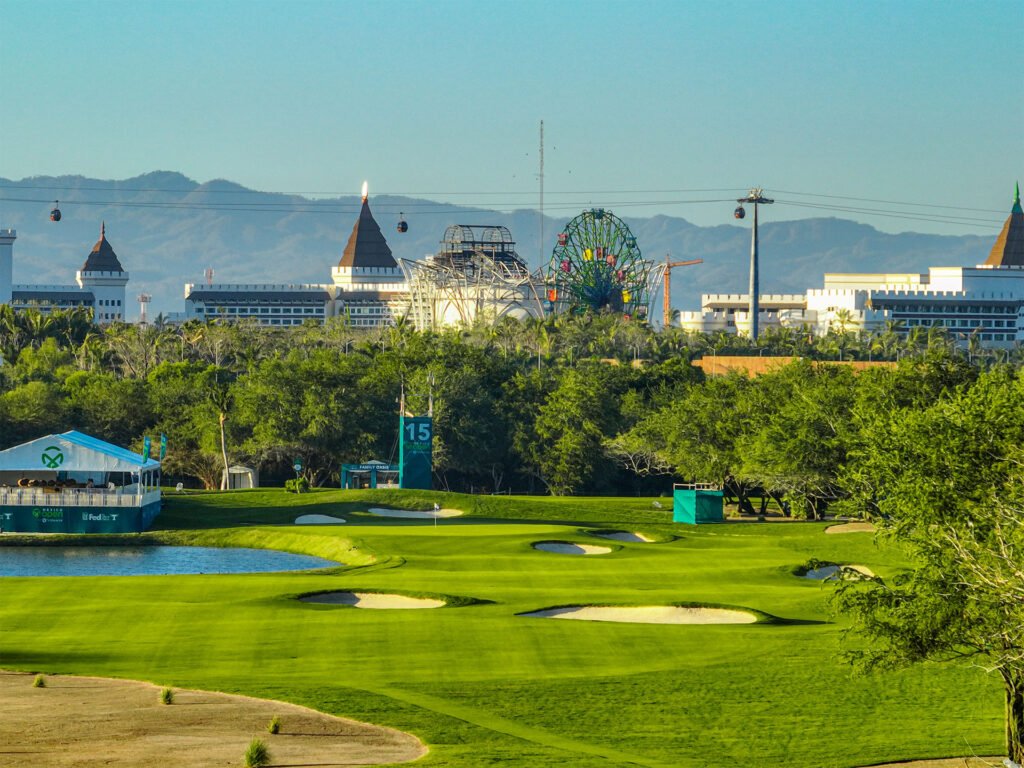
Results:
<point x="163" y="446"/>
<point x="145" y="448"/>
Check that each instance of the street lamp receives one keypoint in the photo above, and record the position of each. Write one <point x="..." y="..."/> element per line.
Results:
<point x="755" y="197"/>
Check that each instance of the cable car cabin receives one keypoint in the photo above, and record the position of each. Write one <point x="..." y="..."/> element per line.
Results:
<point x="55" y="213"/>
<point x="403" y="226"/>
<point x="739" y="213"/>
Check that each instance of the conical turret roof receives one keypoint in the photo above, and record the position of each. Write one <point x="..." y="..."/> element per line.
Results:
<point x="1009" y="248"/>
<point x="366" y="245"/>
<point x="102" y="257"/>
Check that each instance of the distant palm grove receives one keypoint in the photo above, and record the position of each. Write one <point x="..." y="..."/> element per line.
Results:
<point x="587" y="404"/>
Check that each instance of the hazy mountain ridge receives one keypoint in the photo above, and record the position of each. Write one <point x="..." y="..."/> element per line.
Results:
<point x="167" y="229"/>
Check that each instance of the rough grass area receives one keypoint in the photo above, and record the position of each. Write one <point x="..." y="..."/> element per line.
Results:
<point x="482" y="686"/>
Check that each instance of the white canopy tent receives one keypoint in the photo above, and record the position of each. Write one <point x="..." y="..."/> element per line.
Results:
<point x="78" y="457"/>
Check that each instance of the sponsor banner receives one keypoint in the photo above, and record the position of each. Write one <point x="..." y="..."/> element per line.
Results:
<point x="76" y="519"/>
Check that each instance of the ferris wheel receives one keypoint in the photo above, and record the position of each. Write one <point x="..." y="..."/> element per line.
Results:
<point x="597" y="266"/>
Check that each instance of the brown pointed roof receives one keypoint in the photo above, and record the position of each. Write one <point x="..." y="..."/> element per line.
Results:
<point x="102" y="257"/>
<point x="366" y="245"/>
<point x="1009" y="248"/>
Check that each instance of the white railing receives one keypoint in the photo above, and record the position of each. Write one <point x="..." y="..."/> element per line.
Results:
<point x="77" y="497"/>
<point x="697" y="486"/>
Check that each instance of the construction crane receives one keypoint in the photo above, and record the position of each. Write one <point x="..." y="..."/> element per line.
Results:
<point x="667" y="302"/>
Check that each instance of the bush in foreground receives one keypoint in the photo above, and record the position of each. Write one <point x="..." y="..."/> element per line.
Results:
<point x="256" y="755"/>
<point x="39" y="681"/>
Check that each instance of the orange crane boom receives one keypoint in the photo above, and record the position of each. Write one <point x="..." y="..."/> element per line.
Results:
<point x="667" y="302"/>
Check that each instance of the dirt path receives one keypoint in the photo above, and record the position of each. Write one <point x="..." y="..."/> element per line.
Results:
<point x="948" y="762"/>
<point x="88" y="721"/>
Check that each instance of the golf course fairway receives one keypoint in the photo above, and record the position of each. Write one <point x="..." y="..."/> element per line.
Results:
<point x="481" y="685"/>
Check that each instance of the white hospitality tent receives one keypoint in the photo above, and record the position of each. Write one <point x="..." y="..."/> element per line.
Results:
<point x="73" y="459"/>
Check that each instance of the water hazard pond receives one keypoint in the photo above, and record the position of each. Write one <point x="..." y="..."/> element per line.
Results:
<point x="149" y="561"/>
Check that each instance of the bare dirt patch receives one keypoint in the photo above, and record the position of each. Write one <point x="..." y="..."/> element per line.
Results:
<point x="377" y="600"/>
<point x="318" y="520"/>
<point x="76" y="722"/>
<point x="946" y="762"/>
<point x="568" y="548"/>
<point x="859" y="527"/>
<point x="412" y="514"/>
<point x="646" y="614"/>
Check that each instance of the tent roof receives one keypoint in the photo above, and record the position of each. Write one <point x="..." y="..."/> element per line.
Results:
<point x="73" y="452"/>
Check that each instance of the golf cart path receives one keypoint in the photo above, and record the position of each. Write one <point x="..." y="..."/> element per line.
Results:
<point x="491" y="722"/>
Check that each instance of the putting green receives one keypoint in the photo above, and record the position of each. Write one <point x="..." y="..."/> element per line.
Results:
<point x="482" y="686"/>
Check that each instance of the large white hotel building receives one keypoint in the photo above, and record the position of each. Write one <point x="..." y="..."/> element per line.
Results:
<point x="986" y="301"/>
<point x="367" y="287"/>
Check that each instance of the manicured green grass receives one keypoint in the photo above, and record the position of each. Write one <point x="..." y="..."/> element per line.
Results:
<point x="482" y="686"/>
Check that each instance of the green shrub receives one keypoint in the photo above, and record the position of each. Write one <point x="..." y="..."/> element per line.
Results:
<point x="166" y="696"/>
<point x="298" y="485"/>
<point x="257" y="755"/>
<point x="274" y="726"/>
<point x="39" y="681"/>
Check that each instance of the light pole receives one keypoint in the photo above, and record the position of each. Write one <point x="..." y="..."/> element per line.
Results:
<point x="755" y="197"/>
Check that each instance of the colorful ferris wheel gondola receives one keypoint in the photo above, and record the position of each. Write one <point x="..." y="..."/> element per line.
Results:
<point x="597" y="266"/>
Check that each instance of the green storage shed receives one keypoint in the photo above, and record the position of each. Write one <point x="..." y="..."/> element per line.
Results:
<point x="697" y="503"/>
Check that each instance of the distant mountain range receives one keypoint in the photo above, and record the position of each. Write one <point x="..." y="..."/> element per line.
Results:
<point x="167" y="229"/>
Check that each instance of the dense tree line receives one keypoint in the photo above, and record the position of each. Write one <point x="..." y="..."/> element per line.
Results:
<point x="589" y="404"/>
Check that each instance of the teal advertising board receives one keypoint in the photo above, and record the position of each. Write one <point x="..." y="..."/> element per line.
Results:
<point x="696" y="506"/>
<point x="62" y="519"/>
<point x="416" y="452"/>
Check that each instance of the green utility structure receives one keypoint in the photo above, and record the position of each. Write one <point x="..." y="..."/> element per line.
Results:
<point x="697" y="503"/>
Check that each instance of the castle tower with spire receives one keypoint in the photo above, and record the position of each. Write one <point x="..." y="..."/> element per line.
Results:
<point x="103" y="276"/>
<point x="370" y="285"/>
<point x="1008" y="250"/>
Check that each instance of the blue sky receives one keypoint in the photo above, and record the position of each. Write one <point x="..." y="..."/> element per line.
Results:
<point x="643" y="102"/>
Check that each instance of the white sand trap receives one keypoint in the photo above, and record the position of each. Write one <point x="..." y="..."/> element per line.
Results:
<point x="630" y="536"/>
<point x="318" y="520"/>
<point x="375" y="600"/>
<point x="835" y="572"/>
<point x="412" y="514"/>
<point x="851" y="528"/>
<point x="647" y="614"/>
<point x="567" y="548"/>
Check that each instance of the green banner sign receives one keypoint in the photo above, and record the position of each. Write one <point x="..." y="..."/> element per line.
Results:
<point x="416" y="452"/>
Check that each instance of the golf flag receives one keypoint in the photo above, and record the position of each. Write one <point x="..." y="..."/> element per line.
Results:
<point x="145" y="448"/>
<point x="163" y="446"/>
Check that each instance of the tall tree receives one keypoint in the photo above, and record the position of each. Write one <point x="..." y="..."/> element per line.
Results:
<point x="949" y="489"/>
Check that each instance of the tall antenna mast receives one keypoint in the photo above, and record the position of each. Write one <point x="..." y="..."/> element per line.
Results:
<point x="541" y="177"/>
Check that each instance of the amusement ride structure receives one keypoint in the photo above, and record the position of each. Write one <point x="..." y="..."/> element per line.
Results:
<point x="476" y="274"/>
<point x="596" y="265"/>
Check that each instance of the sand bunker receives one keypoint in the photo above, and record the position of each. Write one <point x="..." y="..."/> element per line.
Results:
<point x="568" y="548"/>
<point x="412" y="514"/>
<point x="78" y="721"/>
<point x="629" y="536"/>
<point x="647" y="614"/>
<point x="375" y="600"/>
<point x="860" y="527"/>
<point x="318" y="520"/>
<point x="834" y="572"/>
